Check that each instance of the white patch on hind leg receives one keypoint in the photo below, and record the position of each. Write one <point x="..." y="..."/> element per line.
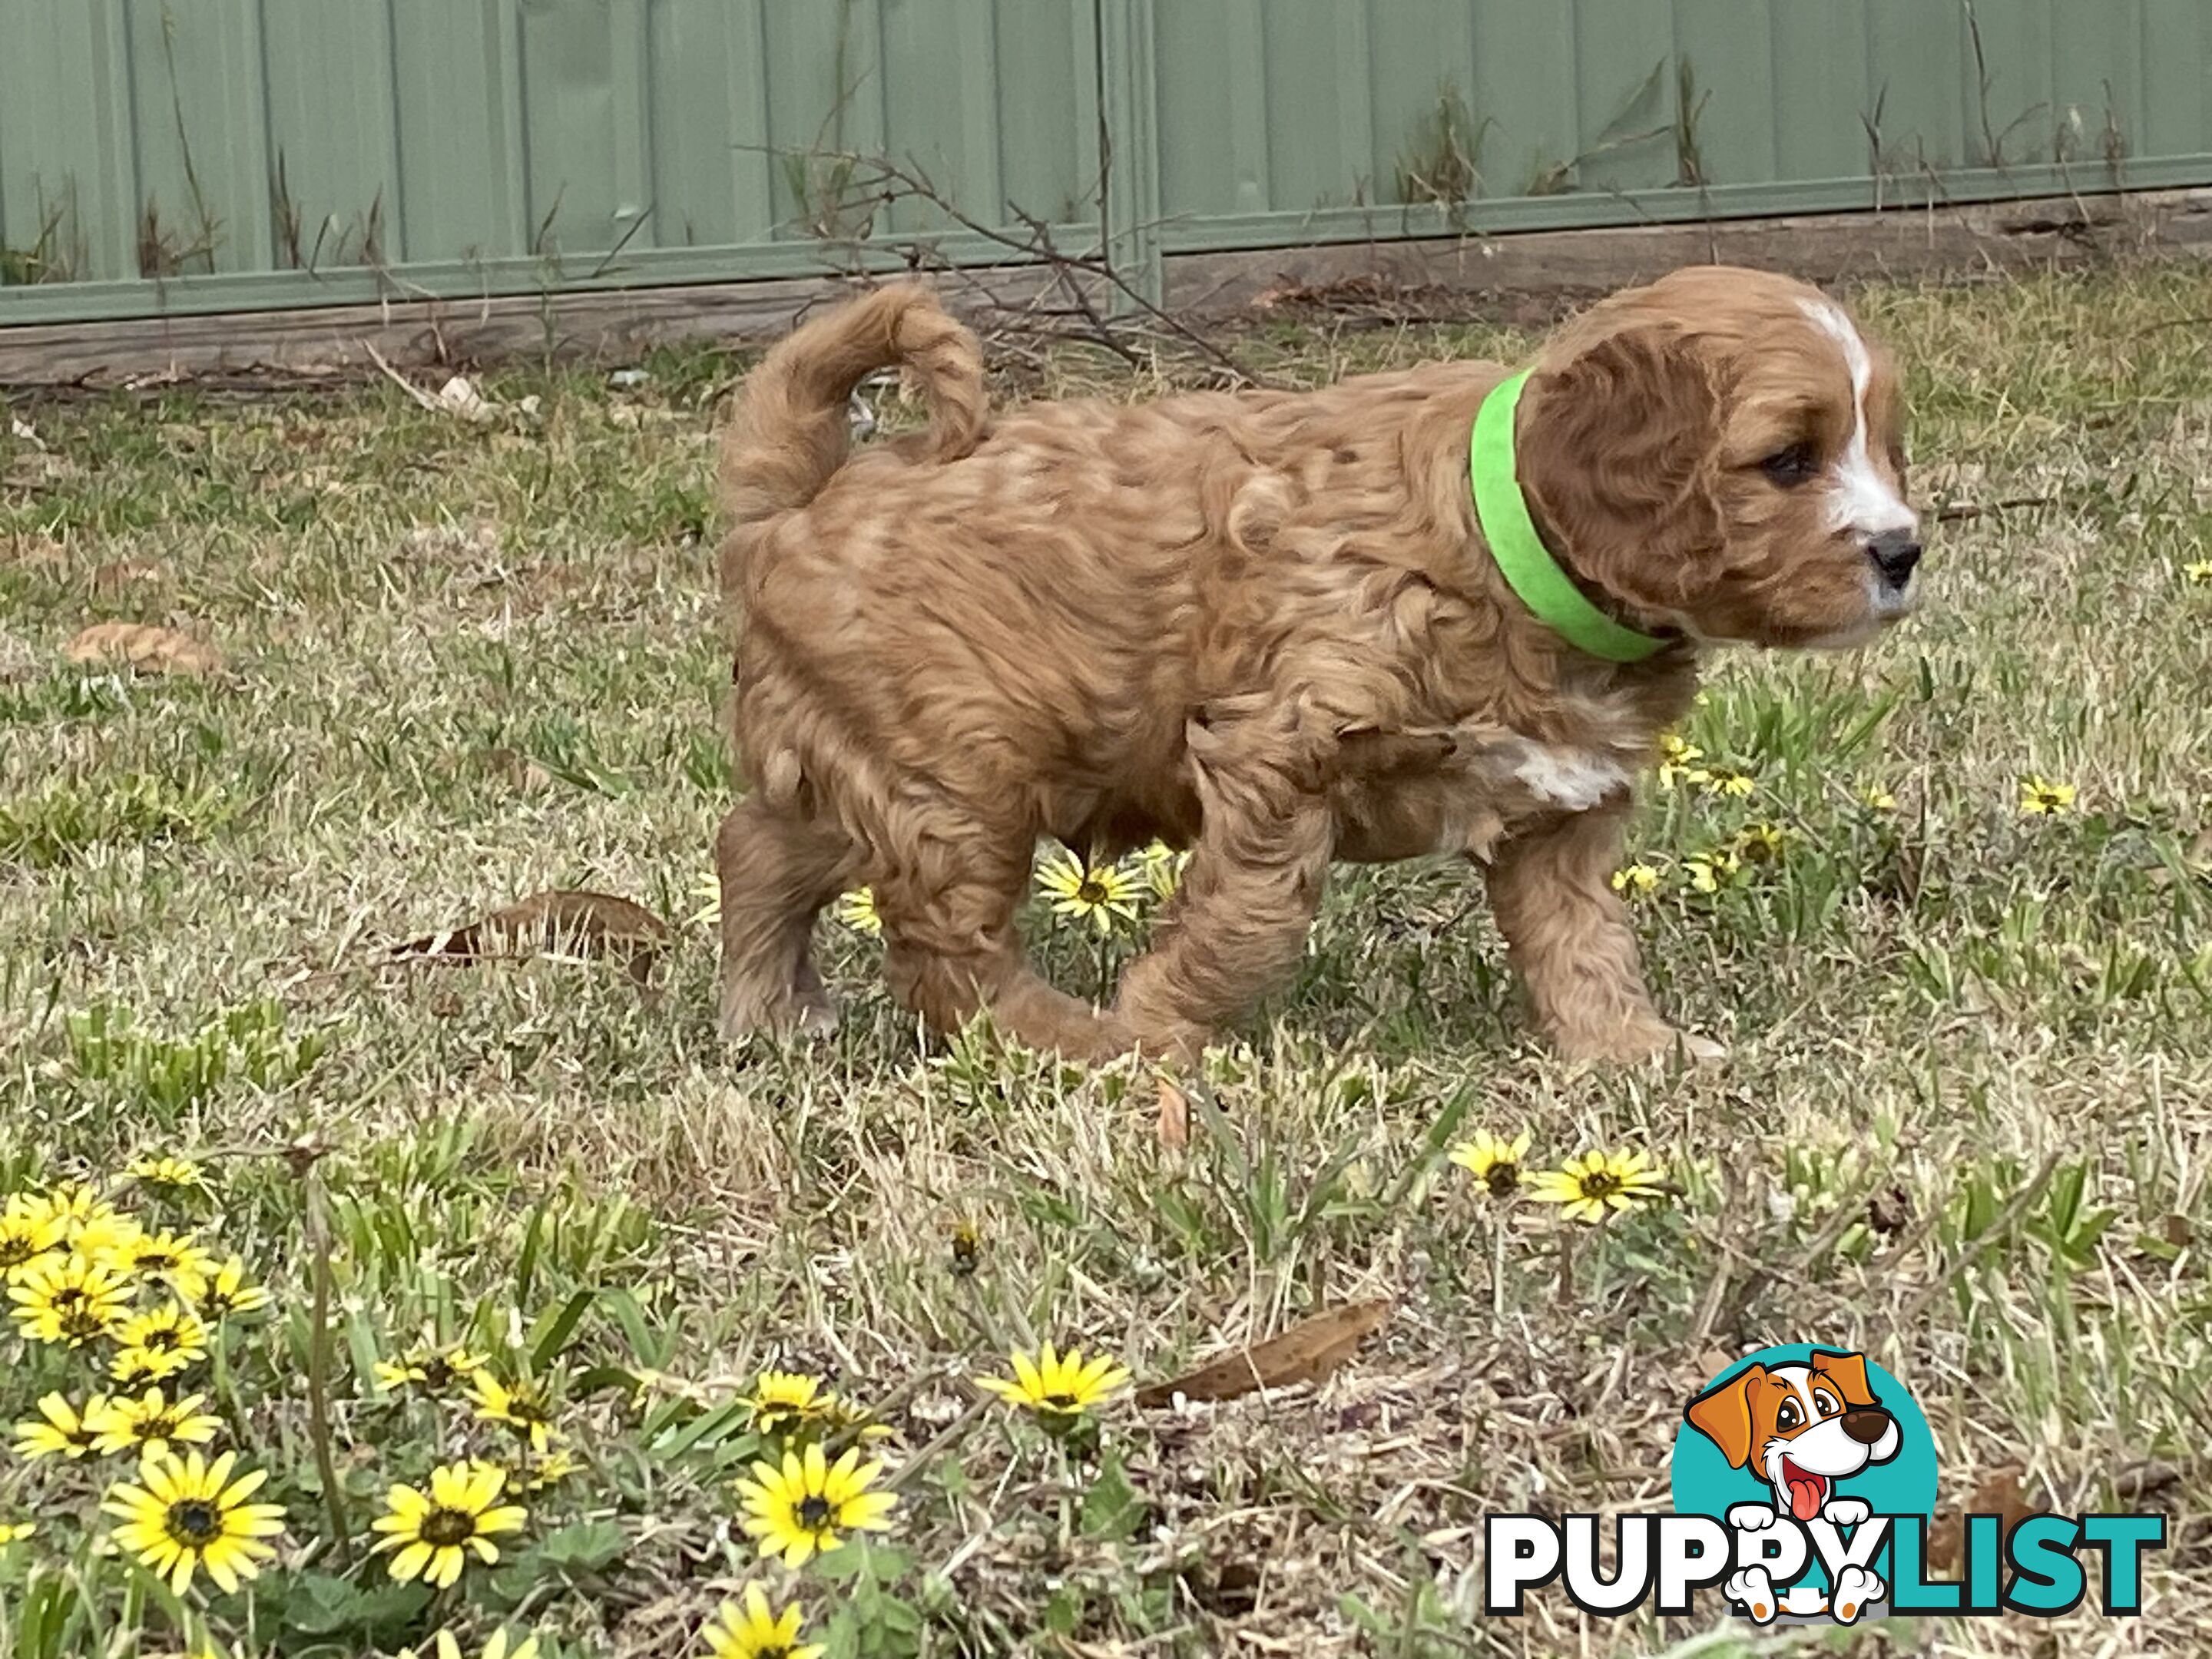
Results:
<point x="1574" y="779"/>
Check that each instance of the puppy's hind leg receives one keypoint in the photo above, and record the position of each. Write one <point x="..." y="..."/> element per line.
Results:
<point x="951" y="949"/>
<point x="777" y="870"/>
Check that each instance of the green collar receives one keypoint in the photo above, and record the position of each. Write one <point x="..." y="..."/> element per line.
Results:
<point x="1522" y="559"/>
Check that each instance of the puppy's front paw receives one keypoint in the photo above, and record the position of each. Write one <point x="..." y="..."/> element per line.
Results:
<point x="1634" y="1045"/>
<point x="1751" y="1517"/>
<point x="1845" y="1511"/>
<point x="1752" y="1590"/>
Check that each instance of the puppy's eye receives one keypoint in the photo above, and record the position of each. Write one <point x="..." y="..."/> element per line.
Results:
<point x="1788" y="1417"/>
<point x="1826" y="1403"/>
<point x="1790" y="467"/>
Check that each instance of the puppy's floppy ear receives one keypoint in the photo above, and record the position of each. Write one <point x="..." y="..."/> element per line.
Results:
<point x="1723" y="1414"/>
<point x="1850" y="1372"/>
<point x="1615" y="448"/>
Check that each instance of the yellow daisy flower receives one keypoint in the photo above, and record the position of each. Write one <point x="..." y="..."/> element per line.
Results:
<point x="148" y="1424"/>
<point x="106" y="1236"/>
<point x="133" y="1370"/>
<point x="857" y="910"/>
<point x="189" y="1514"/>
<point x="1592" y="1187"/>
<point x="2198" y="571"/>
<point x="1761" y="843"/>
<point x="1708" y="872"/>
<point x="526" y="1407"/>
<point x="2041" y="798"/>
<point x="174" y="1174"/>
<point x="1636" y="881"/>
<point x="68" y="1299"/>
<point x="434" y="1533"/>
<point x="1727" y="781"/>
<point x="758" y="1632"/>
<point x="1496" y="1163"/>
<point x="167" y="1329"/>
<point x="15" y="1532"/>
<point x="1876" y="799"/>
<point x="434" y="1370"/>
<point x="170" y="1257"/>
<point x="1678" y="763"/>
<point x="708" y="890"/>
<point x="798" y="1509"/>
<point x="1055" y="1385"/>
<point x="1160" y="867"/>
<point x="783" y="1402"/>
<point x="536" y="1471"/>
<point x="66" y="1432"/>
<point x="220" y="1290"/>
<point x="28" y="1237"/>
<point x="1101" y="894"/>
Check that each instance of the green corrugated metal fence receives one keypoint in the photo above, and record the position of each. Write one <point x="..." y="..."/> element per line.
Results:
<point x="210" y="155"/>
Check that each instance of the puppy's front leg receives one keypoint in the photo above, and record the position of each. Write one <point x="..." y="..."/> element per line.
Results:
<point x="1248" y="898"/>
<point x="1569" y="935"/>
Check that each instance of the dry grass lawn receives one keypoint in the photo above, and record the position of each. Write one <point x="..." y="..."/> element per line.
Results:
<point x="1967" y="1124"/>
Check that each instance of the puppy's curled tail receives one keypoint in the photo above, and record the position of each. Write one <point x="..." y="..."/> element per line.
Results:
<point x="791" y="429"/>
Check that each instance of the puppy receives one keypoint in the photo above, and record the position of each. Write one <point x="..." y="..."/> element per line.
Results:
<point x="1271" y="627"/>
<point x="1802" y="1429"/>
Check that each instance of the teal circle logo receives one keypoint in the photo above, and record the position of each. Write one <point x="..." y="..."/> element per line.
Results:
<point x="1810" y="1434"/>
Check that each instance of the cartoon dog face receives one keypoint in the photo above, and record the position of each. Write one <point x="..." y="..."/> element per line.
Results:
<point x="1803" y="1427"/>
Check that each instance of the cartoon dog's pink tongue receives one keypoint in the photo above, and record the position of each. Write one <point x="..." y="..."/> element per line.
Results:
<point x="1804" y="1491"/>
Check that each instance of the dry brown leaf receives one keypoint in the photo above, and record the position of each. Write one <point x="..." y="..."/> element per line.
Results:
<point x="1998" y="1493"/>
<point x="145" y="648"/>
<point x="1310" y="1350"/>
<point x="559" y="922"/>
<point x="1174" y="1117"/>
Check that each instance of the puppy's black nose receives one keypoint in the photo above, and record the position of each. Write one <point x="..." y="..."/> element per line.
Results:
<point x="1867" y="1424"/>
<point x="1894" y="552"/>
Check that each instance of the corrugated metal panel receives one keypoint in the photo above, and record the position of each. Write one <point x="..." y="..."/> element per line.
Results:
<point x="163" y="155"/>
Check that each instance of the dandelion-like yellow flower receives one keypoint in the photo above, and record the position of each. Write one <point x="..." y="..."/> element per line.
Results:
<point x="148" y="1424"/>
<point x="2197" y="571"/>
<point x="757" y="1631"/>
<point x="1876" y="799"/>
<point x="857" y="910"/>
<point x="189" y="1514"/>
<point x="28" y="1236"/>
<point x="221" y="1291"/>
<point x="433" y="1369"/>
<point x="65" y="1431"/>
<point x="107" y="1235"/>
<point x="68" y="1299"/>
<point x="1598" y="1183"/>
<point x="536" y="1471"/>
<point x="2040" y="797"/>
<point x="525" y="1407"/>
<point x="1101" y="894"/>
<point x="1678" y="763"/>
<point x="1635" y="881"/>
<point x="1498" y="1163"/>
<point x="173" y="1174"/>
<point x="434" y="1533"/>
<point x="800" y="1509"/>
<point x="1055" y="1385"/>
<point x="15" y="1532"/>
